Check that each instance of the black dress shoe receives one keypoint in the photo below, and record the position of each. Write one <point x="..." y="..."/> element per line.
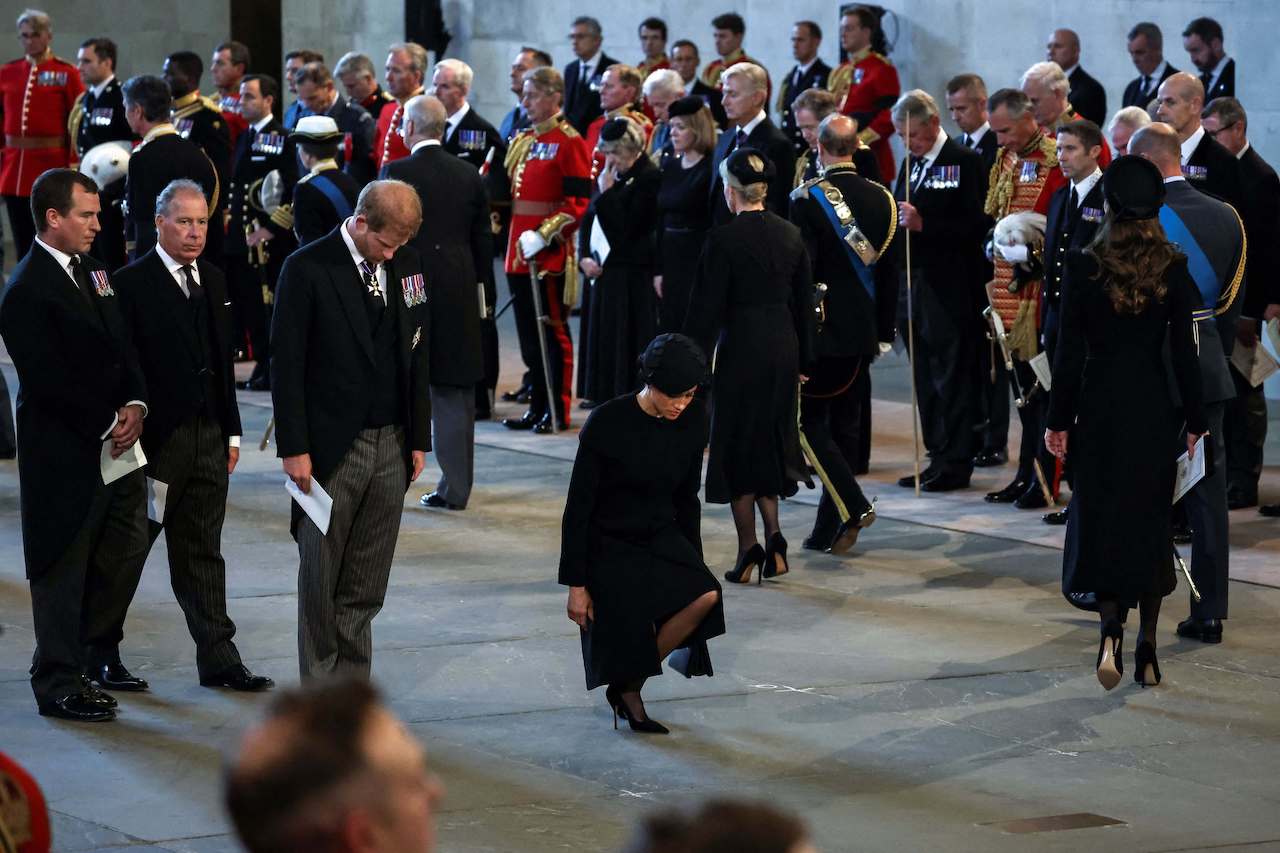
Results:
<point x="260" y="383"/>
<point x="949" y="482"/>
<point x="1055" y="519"/>
<point x="909" y="481"/>
<point x="91" y="692"/>
<point x="1269" y="510"/>
<point x="77" y="707"/>
<point x="238" y="677"/>
<point x="1240" y="500"/>
<point x="544" y="425"/>
<point x="434" y="501"/>
<point x="1204" y="630"/>
<point x="587" y="405"/>
<point x="524" y="422"/>
<point x="114" y="676"/>
<point x="847" y="533"/>
<point x="1032" y="498"/>
<point x="816" y="542"/>
<point x="991" y="458"/>
<point x="1181" y="534"/>
<point x="1009" y="493"/>
<point x="514" y="396"/>
<point x="1084" y="600"/>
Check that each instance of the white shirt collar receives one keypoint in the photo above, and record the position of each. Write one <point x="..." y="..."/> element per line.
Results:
<point x="592" y="62"/>
<point x="101" y="87"/>
<point x="63" y="259"/>
<point x="688" y="87"/>
<point x="261" y="123"/>
<point x="175" y="268"/>
<point x="1155" y="76"/>
<point x="451" y="124"/>
<point x="1189" y="147"/>
<point x="1069" y="71"/>
<point x="425" y="143"/>
<point x="1174" y="179"/>
<point x="1243" y="151"/>
<point x="1084" y="187"/>
<point x="358" y="259"/>
<point x="751" y="125"/>
<point x="937" y="147"/>
<point x="1217" y="69"/>
<point x="804" y="69"/>
<point x="976" y="136"/>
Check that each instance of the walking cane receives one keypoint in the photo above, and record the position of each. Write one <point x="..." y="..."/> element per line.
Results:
<point x="911" y="326"/>
<point x="542" y="321"/>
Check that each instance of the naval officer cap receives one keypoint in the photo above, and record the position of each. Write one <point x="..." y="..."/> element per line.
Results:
<point x="750" y="166"/>
<point x="319" y="129"/>
<point x="1133" y="188"/>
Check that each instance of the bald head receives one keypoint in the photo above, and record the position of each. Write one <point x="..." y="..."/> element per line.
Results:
<point x="425" y="118"/>
<point x="837" y="139"/>
<point x="1179" y="102"/>
<point x="1063" y="48"/>
<point x="1158" y="142"/>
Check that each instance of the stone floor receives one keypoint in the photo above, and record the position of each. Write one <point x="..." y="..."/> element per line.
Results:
<point x="919" y="694"/>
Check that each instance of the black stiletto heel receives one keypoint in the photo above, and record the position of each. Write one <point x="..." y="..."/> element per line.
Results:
<point x="1146" y="669"/>
<point x="611" y="696"/>
<point x="775" y="557"/>
<point x="748" y="562"/>
<point x="620" y="709"/>
<point x="1110" y="664"/>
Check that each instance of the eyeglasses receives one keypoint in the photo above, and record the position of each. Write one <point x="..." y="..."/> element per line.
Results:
<point x="1213" y="134"/>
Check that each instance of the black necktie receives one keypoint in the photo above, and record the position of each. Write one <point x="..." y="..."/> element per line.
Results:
<point x="739" y="139"/>
<point x="1146" y="83"/>
<point x="1206" y="78"/>
<point x="194" y="290"/>
<point x="1075" y="199"/>
<point x="81" y="277"/>
<point x="968" y="141"/>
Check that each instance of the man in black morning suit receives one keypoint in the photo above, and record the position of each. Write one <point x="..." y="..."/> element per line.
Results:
<point x="1246" y="415"/>
<point x="178" y="316"/>
<point x="1075" y="213"/>
<point x="1206" y="165"/>
<point x="945" y="216"/>
<point x="581" y="98"/>
<point x="1208" y="230"/>
<point x="1146" y="49"/>
<point x="1085" y="94"/>
<point x="745" y="95"/>
<point x="857" y="315"/>
<point x="350" y="387"/>
<point x="80" y="386"/>
<point x="97" y="117"/>
<point x="162" y="158"/>
<point x="256" y="244"/>
<point x="1202" y="40"/>
<point x="809" y="72"/>
<point x="456" y="247"/>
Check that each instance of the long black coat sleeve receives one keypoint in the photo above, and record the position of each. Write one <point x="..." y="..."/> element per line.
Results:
<point x="291" y="327"/>
<point x="1184" y="298"/>
<point x="578" y="507"/>
<point x="1068" y="361"/>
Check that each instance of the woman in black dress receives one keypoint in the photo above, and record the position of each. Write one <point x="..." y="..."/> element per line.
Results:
<point x="752" y="303"/>
<point x="683" y="215"/>
<point x="631" y="548"/>
<point x="1121" y="298"/>
<point x="622" y="305"/>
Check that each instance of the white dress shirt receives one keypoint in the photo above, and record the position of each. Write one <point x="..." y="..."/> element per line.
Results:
<point x="976" y="136"/>
<point x="452" y="124"/>
<point x="356" y="258"/>
<point x="101" y="87"/>
<point x="1189" y="147"/>
<point x="1216" y="73"/>
<point x="1085" y="186"/>
<point x="751" y="125"/>
<point x="425" y="143"/>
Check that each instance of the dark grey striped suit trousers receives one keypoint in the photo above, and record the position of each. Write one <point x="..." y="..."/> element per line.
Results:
<point x="194" y="464"/>
<point x="342" y="578"/>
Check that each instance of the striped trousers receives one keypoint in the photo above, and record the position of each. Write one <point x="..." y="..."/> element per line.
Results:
<point x="342" y="576"/>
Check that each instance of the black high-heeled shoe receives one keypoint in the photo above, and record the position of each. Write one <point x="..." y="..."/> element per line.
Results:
<point x="1146" y="669"/>
<point x="1110" y="664"/>
<point x="748" y="562"/>
<point x="646" y="726"/>
<point x="775" y="557"/>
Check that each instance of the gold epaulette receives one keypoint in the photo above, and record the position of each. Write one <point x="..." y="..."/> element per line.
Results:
<point x="211" y="103"/>
<point x="802" y="189"/>
<point x="839" y="80"/>
<point x="283" y="216"/>
<point x="518" y="151"/>
<point x="568" y="129"/>
<point x="880" y="56"/>
<point x="1228" y="297"/>
<point x="73" y="123"/>
<point x="1049" y="148"/>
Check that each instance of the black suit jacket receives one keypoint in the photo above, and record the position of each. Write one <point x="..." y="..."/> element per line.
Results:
<point x="790" y="88"/>
<point x="765" y="137"/>
<point x="473" y="138"/>
<point x="854" y="324"/>
<point x="1087" y="96"/>
<point x="1225" y="85"/>
<point x="1133" y="96"/>
<point x="1215" y="170"/>
<point x="714" y="100"/>
<point x="75" y="370"/>
<point x="358" y="128"/>
<point x="948" y="246"/>
<point x="1218" y="232"/>
<point x="151" y="168"/>
<point x="156" y="315"/>
<point x="1261" y="216"/>
<point x="322" y="357"/>
<point x="581" y="102"/>
<point x="314" y="213"/>
<point x="987" y="149"/>
<point x="456" y="248"/>
<point x="101" y="119"/>
<point x="1065" y="230"/>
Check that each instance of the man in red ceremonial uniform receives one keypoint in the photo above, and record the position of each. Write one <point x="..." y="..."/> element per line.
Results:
<point x="619" y="92"/>
<point x="38" y="93"/>
<point x="550" y="172"/>
<point x="230" y="64"/>
<point x="867" y="84"/>
<point x="406" y="69"/>
<point x="653" y="41"/>
<point x="728" y="30"/>
<point x="1024" y="178"/>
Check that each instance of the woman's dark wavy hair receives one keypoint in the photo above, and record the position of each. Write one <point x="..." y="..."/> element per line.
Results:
<point x="1134" y="255"/>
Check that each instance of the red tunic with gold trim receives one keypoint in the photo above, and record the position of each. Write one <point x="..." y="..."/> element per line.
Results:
<point x="593" y="133"/>
<point x="868" y="85"/>
<point x="391" y="147"/>
<point x="649" y="66"/>
<point x="229" y="106"/>
<point x="715" y="70"/>
<point x="37" y="102"/>
<point x="550" y="170"/>
<point x="1021" y="182"/>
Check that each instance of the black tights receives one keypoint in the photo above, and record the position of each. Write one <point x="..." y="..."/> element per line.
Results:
<point x="1148" y="614"/>
<point x="744" y="508"/>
